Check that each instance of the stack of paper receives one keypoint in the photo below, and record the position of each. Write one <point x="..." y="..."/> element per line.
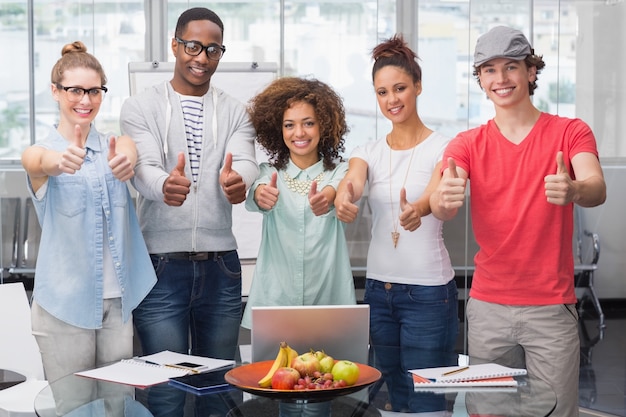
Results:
<point x="480" y="375"/>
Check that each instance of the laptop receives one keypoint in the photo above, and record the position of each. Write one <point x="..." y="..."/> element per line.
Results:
<point x="342" y="331"/>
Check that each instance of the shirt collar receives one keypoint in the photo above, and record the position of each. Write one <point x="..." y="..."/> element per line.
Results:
<point x="93" y="140"/>
<point x="92" y="143"/>
<point x="311" y="172"/>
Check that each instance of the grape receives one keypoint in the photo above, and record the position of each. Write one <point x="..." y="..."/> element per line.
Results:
<point x="319" y="380"/>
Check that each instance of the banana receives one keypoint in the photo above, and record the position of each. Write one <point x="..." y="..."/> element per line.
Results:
<point x="279" y="362"/>
<point x="291" y="353"/>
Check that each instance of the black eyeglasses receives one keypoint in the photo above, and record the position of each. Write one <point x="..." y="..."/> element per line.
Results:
<point x="75" y="94"/>
<point x="213" y="51"/>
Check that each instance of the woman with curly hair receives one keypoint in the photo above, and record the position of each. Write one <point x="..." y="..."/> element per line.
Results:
<point x="303" y="258"/>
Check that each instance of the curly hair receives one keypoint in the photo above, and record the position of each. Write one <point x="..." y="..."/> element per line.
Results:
<point x="531" y="60"/>
<point x="268" y="107"/>
<point x="75" y="55"/>
<point x="396" y="52"/>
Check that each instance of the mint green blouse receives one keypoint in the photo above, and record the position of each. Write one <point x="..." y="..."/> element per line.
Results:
<point x="303" y="258"/>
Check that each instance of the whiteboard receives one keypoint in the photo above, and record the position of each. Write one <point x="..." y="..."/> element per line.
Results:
<point x="242" y="80"/>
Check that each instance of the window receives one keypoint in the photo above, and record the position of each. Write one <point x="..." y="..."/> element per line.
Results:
<point x="113" y="31"/>
<point x="330" y="40"/>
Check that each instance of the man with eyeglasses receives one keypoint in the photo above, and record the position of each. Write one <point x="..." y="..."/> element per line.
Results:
<point x="196" y="159"/>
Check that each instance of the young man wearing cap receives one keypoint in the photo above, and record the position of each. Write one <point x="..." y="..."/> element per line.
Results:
<point x="527" y="169"/>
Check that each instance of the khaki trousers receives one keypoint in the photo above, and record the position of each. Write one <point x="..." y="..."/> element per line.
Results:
<point x="542" y="339"/>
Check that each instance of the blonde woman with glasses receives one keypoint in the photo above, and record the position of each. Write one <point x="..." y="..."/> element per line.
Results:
<point x="93" y="267"/>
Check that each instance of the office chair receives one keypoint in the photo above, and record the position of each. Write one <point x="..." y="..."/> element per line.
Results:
<point x="19" y="352"/>
<point x="586" y="255"/>
<point x="10" y="209"/>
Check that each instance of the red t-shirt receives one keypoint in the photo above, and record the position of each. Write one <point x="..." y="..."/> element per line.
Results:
<point x="525" y="255"/>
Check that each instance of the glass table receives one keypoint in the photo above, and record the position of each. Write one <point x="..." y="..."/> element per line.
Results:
<point x="78" y="396"/>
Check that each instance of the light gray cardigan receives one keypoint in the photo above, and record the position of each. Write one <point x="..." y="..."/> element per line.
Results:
<point x="154" y="120"/>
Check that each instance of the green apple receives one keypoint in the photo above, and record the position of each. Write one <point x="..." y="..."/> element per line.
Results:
<point x="319" y="354"/>
<point x="326" y="364"/>
<point x="347" y="371"/>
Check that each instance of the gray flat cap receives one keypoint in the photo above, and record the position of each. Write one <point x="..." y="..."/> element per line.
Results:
<point x="501" y="42"/>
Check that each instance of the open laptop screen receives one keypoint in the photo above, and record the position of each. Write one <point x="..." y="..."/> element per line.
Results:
<point x="342" y="331"/>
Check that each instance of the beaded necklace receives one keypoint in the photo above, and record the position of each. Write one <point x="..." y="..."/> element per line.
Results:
<point x="301" y="187"/>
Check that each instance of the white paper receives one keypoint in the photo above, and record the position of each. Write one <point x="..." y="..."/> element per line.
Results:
<point x="170" y="358"/>
<point x="152" y="369"/>
<point x="131" y="372"/>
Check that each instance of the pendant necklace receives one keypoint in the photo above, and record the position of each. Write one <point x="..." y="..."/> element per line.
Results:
<point x="395" y="234"/>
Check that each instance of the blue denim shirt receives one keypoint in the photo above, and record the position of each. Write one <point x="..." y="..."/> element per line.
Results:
<point x="72" y="213"/>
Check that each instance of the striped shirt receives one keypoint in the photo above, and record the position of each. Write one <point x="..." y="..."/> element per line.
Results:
<point x="193" y="116"/>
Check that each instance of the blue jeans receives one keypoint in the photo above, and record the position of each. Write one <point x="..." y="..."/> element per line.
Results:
<point x="412" y="326"/>
<point x="192" y="300"/>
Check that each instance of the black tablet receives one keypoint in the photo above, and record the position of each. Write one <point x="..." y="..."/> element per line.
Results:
<point x="203" y="383"/>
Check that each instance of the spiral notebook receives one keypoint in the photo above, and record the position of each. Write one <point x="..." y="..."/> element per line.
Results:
<point x="480" y="375"/>
<point x="153" y="369"/>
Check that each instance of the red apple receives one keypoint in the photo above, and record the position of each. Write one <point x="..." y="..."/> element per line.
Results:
<point x="285" y="378"/>
<point x="306" y="364"/>
<point x="346" y="371"/>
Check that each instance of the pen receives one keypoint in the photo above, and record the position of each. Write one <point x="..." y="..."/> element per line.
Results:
<point x="196" y="370"/>
<point x="138" y="359"/>
<point x="455" y="371"/>
<point x="193" y="371"/>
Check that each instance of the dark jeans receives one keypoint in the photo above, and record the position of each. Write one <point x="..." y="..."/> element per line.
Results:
<point x="412" y="326"/>
<point x="197" y="300"/>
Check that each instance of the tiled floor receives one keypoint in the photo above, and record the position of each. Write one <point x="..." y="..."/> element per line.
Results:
<point x="603" y="366"/>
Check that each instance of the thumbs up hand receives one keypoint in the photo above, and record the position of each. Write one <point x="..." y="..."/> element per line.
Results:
<point x="451" y="188"/>
<point x="73" y="157"/>
<point x="177" y="185"/>
<point x="120" y="164"/>
<point x="318" y="200"/>
<point x="345" y="209"/>
<point x="266" y="195"/>
<point x="410" y="217"/>
<point x="232" y="183"/>
<point x="560" y="188"/>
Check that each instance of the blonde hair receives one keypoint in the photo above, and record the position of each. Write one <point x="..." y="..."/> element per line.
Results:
<point x="75" y="55"/>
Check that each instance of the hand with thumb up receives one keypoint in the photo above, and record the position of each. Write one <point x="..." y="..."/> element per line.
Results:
<point x="560" y="188"/>
<point x="177" y="185"/>
<point x="410" y="216"/>
<point x="266" y="195"/>
<point x="119" y="162"/>
<point x="73" y="157"/>
<point x="318" y="201"/>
